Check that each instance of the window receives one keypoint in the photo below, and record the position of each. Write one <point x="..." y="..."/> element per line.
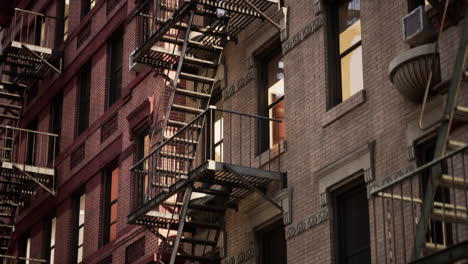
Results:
<point x="79" y="211"/>
<point x="142" y="150"/>
<point x="86" y="6"/>
<point x="344" y="50"/>
<point x="115" y="68"/>
<point x="83" y="97"/>
<point x="271" y="97"/>
<point x="39" y="31"/>
<point x="111" y="185"/>
<point x="31" y="139"/>
<point x="439" y="233"/>
<point x="25" y="247"/>
<point x="55" y="125"/>
<point x="413" y="4"/>
<point x="63" y="12"/>
<point x="352" y="223"/>
<point x="50" y="253"/>
<point x="218" y="130"/>
<point x="272" y="244"/>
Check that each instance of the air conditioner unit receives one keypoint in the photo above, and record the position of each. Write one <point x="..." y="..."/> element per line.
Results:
<point x="417" y="29"/>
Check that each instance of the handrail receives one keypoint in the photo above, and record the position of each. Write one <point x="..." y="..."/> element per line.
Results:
<point x="418" y="170"/>
<point x="211" y="108"/>
<point x="35" y="13"/>
<point x="30" y="131"/>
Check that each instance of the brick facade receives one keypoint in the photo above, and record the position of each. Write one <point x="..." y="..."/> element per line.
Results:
<point x="315" y="135"/>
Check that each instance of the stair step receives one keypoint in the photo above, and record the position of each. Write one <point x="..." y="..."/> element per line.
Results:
<point x="461" y="113"/>
<point x="9" y="117"/>
<point x="9" y="95"/>
<point x="197" y="258"/>
<point x="198" y="241"/>
<point x="163" y="187"/>
<point x="193" y="94"/>
<point x="181" y="174"/>
<point x="17" y="107"/>
<point x="196" y="78"/>
<point x="181" y="124"/>
<point x="187" y="109"/>
<point x="5" y="215"/>
<point x="167" y="53"/>
<point x="193" y="44"/>
<point x="200" y="207"/>
<point x="5" y="237"/>
<point x="211" y="191"/>
<point x="7" y="226"/>
<point x="454" y="144"/>
<point x="12" y="85"/>
<point x="451" y="181"/>
<point x="181" y="140"/>
<point x="175" y="156"/>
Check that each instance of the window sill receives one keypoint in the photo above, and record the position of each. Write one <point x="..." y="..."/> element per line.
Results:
<point x="343" y="108"/>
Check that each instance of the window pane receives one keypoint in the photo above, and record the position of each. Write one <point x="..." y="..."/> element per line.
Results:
<point x="80" y="236"/>
<point x="277" y="131"/>
<point x="113" y="213"/>
<point x="350" y="36"/>
<point x="114" y="184"/>
<point x="349" y="13"/>
<point x="81" y="218"/>
<point x="275" y="78"/>
<point x="80" y="254"/>
<point x="52" y="232"/>
<point x="28" y="249"/>
<point x="52" y="256"/>
<point x="113" y="232"/>
<point x="351" y="73"/>
<point x="219" y="153"/>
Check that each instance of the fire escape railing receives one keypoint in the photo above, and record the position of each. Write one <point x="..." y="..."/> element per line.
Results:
<point x="396" y="206"/>
<point x="227" y="137"/>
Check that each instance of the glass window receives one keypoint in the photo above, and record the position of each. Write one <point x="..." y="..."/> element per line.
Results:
<point x="346" y="75"/>
<point x="218" y="132"/>
<point x="84" y="92"/>
<point x="80" y="231"/>
<point x="87" y="5"/>
<point x="53" y="225"/>
<point x="271" y="72"/>
<point x="272" y="244"/>
<point x="65" y="19"/>
<point x="115" y="71"/>
<point x="28" y="250"/>
<point x="111" y="206"/>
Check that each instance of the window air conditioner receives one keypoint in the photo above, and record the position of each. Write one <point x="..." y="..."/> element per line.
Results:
<point x="417" y="29"/>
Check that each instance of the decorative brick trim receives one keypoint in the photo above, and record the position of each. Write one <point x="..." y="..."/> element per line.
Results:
<point x="77" y="156"/>
<point x="109" y="127"/>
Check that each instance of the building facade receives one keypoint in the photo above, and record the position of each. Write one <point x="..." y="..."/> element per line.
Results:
<point x="253" y="131"/>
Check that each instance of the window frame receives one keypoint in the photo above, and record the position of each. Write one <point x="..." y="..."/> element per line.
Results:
<point x="108" y="203"/>
<point x="139" y="155"/>
<point x="115" y="68"/>
<point x="83" y="92"/>
<point x="264" y="231"/>
<point x="55" y="125"/>
<point x="263" y="137"/>
<point x="86" y="7"/>
<point x="77" y="226"/>
<point x="51" y="225"/>
<point x="334" y="56"/>
<point x="354" y="186"/>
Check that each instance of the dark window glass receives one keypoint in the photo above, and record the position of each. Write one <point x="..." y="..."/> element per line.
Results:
<point x="115" y="68"/>
<point x="352" y="222"/>
<point x="111" y="185"/>
<point x="344" y="50"/>
<point x="32" y="143"/>
<point x="271" y="98"/>
<point x="86" y="6"/>
<point x="55" y="126"/>
<point x="439" y="233"/>
<point x="272" y="244"/>
<point x="83" y="96"/>
<point x="143" y="149"/>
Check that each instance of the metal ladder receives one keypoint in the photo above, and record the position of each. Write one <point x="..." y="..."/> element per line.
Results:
<point x="451" y="112"/>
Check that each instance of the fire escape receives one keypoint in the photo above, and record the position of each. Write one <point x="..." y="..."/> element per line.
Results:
<point x="26" y="155"/>
<point x="422" y="216"/>
<point x="204" y="159"/>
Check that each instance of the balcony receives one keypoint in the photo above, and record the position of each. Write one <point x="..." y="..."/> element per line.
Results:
<point x="27" y="50"/>
<point x="26" y="164"/>
<point x="216" y="156"/>
<point x="397" y="204"/>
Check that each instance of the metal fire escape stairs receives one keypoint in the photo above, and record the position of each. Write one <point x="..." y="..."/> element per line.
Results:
<point x="25" y="59"/>
<point x="452" y="112"/>
<point x="187" y="206"/>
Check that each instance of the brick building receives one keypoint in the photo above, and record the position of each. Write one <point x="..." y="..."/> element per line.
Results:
<point x="234" y="131"/>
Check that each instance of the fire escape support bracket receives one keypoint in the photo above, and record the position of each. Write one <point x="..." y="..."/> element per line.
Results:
<point x="228" y="168"/>
<point x="58" y="70"/>
<point x="279" y="27"/>
<point x="51" y="191"/>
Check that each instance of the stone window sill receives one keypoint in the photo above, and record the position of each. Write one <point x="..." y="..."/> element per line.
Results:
<point x="343" y="108"/>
